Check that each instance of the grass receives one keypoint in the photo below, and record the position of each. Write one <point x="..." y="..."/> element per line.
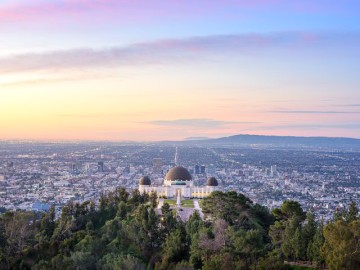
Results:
<point x="187" y="203"/>
<point x="184" y="203"/>
<point x="170" y="202"/>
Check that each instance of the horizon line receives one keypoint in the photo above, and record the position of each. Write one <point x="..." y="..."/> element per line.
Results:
<point x="187" y="139"/>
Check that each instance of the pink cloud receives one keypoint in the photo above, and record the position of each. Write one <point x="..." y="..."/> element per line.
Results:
<point x="168" y="52"/>
<point x="89" y="11"/>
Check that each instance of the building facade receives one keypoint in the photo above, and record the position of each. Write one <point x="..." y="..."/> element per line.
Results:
<point x="179" y="180"/>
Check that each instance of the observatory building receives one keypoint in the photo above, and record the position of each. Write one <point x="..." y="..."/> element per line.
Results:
<point x="178" y="181"/>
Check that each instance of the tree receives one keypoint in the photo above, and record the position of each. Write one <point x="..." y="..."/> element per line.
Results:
<point x="113" y="261"/>
<point x="248" y="245"/>
<point x="122" y="195"/>
<point x="340" y="214"/>
<point x="308" y="232"/>
<point x="341" y="245"/>
<point x="288" y="210"/>
<point x="47" y="224"/>
<point x="286" y="233"/>
<point x="352" y="213"/>
<point x="122" y="211"/>
<point x="81" y="260"/>
<point x="175" y="249"/>
<point x="232" y="207"/>
<point x="219" y="262"/>
<point x="136" y="197"/>
<point x="314" y="247"/>
<point x="20" y="231"/>
<point x="298" y="245"/>
<point x="168" y="220"/>
<point x="153" y="199"/>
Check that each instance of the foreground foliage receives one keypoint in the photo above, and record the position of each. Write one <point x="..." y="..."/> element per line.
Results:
<point x="126" y="231"/>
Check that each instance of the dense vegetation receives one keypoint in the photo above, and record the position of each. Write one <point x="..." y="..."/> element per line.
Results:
<point x="125" y="231"/>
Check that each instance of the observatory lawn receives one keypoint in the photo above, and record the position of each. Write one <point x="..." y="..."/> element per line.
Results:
<point x="184" y="203"/>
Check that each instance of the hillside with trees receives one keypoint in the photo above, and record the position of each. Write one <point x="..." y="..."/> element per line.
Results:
<point x="127" y="231"/>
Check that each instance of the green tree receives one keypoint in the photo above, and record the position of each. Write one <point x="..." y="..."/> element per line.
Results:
<point x="175" y="249"/>
<point x="341" y="246"/>
<point x="219" y="262"/>
<point x="315" y="245"/>
<point x="168" y="220"/>
<point x="113" y="261"/>
<point x="153" y="199"/>
<point x="288" y="210"/>
<point x="340" y="214"/>
<point x="286" y="233"/>
<point x="248" y="245"/>
<point x="352" y="213"/>
<point x="122" y="195"/>
<point x="308" y="232"/>
<point x="122" y="210"/>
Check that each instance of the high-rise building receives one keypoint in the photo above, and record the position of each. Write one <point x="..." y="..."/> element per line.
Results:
<point x="87" y="168"/>
<point x="176" y="159"/>
<point x="157" y="165"/>
<point x="197" y="169"/>
<point x="202" y="169"/>
<point x="101" y="166"/>
<point x="75" y="168"/>
<point x="273" y="171"/>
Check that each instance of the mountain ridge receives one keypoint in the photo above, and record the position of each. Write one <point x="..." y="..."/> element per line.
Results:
<point x="282" y="141"/>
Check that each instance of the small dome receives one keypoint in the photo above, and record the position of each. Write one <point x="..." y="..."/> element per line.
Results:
<point x="212" y="182"/>
<point x="178" y="174"/>
<point x="145" y="181"/>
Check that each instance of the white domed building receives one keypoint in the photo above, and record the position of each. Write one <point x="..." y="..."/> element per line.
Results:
<point x="178" y="180"/>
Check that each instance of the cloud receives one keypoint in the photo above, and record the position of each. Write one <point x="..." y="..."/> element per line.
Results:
<point x="58" y="79"/>
<point x="197" y="122"/>
<point x="352" y="105"/>
<point x="91" y="11"/>
<point x="161" y="52"/>
<point x="313" y="126"/>
<point x="312" y="112"/>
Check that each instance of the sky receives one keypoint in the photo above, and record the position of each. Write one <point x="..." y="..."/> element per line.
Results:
<point x="149" y="70"/>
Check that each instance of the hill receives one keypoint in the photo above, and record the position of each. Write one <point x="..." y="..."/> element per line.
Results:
<point x="282" y="141"/>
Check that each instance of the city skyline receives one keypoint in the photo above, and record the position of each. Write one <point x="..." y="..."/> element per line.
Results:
<point x="154" y="70"/>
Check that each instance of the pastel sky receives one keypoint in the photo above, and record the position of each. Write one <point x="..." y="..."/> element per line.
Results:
<point x="150" y="70"/>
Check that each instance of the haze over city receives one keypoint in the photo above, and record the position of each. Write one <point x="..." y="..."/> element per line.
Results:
<point x="166" y="70"/>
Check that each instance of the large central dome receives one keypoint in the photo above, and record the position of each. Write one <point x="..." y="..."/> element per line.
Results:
<point x="178" y="174"/>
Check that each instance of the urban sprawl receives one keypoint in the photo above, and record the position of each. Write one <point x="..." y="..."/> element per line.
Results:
<point x="34" y="176"/>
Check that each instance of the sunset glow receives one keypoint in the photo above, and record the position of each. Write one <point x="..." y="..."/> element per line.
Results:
<point x="166" y="70"/>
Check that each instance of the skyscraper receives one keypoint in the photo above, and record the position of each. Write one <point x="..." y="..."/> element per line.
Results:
<point x="197" y="169"/>
<point x="157" y="165"/>
<point x="101" y="166"/>
<point x="176" y="160"/>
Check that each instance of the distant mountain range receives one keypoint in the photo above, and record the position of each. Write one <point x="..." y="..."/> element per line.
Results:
<point x="280" y="141"/>
<point x="197" y="138"/>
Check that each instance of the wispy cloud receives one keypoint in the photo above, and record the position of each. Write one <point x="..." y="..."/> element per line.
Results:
<point x="312" y="112"/>
<point x="147" y="10"/>
<point x="197" y="122"/>
<point x="313" y="126"/>
<point x="352" y="105"/>
<point x="172" y="51"/>
<point x="50" y="80"/>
